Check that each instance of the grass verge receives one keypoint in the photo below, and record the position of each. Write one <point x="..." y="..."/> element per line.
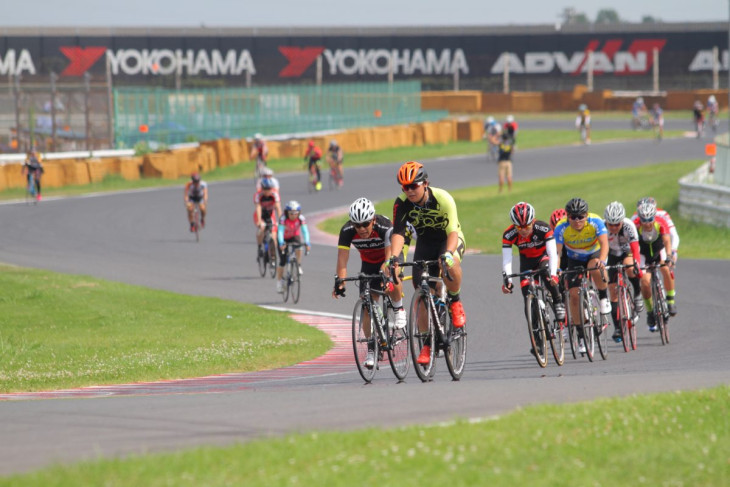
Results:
<point x="483" y="212"/>
<point x="677" y="439"/>
<point x="59" y="331"/>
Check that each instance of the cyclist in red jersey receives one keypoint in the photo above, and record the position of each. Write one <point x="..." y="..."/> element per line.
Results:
<point x="536" y="244"/>
<point x="313" y="156"/>
<point x="267" y="210"/>
<point x="292" y="228"/>
<point x="259" y="150"/>
<point x="510" y="127"/>
<point x="196" y="191"/>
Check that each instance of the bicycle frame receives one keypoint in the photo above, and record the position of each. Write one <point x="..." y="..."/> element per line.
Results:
<point x="659" y="300"/>
<point x="588" y="311"/>
<point x="626" y="311"/>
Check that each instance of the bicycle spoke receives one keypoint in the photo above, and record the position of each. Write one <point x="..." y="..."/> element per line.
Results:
<point x="419" y="339"/>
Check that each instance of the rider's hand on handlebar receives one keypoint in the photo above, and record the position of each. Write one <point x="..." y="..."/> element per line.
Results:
<point x="448" y="259"/>
<point x="339" y="289"/>
<point x="507" y="288"/>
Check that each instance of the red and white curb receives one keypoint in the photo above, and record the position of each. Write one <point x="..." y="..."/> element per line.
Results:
<point x="337" y="360"/>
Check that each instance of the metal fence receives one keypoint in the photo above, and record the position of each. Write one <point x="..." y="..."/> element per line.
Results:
<point x="172" y="116"/>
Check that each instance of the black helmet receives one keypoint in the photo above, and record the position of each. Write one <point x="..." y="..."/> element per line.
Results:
<point x="576" y="206"/>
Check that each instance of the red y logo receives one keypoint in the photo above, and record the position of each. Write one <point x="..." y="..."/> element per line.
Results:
<point x="82" y="58"/>
<point x="300" y="58"/>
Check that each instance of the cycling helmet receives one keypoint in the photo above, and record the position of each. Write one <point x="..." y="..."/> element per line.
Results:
<point x="333" y="144"/>
<point x="490" y="120"/>
<point x="576" y="206"/>
<point x="557" y="215"/>
<point x="267" y="183"/>
<point x="310" y="144"/>
<point x="522" y="214"/>
<point x="412" y="172"/>
<point x="645" y="199"/>
<point x="640" y="100"/>
<point x="267" y="172"/>
<point x="362" y="210"/>
<point x="614" y="213"/>
<point x="293" y="206"/>
<point x="510" y="118"/>
<point x="582" y="107"/>
<point x="646" y="211"/>
<point x="712" y="99"/>
<point x="258" y="136"/>
<point x="195" y="177"/>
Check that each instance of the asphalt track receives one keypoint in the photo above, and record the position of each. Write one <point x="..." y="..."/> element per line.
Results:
<point x="141" y="238"/>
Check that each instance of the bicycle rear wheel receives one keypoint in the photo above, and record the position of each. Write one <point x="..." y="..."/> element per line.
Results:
<point x="398" y="354"/>
<point x="196" y="223"/>
<point x="554" y="331"/>
<point x="455" y="353"/>
<point x="295" y="283"/>
<point x="273" y="257"/>
<point x="588" y="337"/>
<point x="536" y="330"/>
<point x="419" y="339"/>
<point x="361" y="344"/>
<point x="625" y="317"/>
<point x="287" y="283"/>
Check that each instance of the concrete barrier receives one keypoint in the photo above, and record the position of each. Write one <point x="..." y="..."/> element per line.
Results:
<point x="702" y="201"/>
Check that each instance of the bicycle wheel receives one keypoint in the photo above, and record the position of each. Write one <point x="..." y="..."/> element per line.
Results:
<point x="588" y="325"/>
<point x="625" y="317"/>
<point x="361" y="343"/>
<point x="196" y="223"/>
<point x="660" y="309"/>
<point x="600" y="325"/>
<point x="295" y="283"/>
<point x="419" y="339"/>
<point x="554" y="331"/>
<point x="398" y="354"/>
<point x="273" y="258"/>
<point x="455" y="353"/>
<point x="262" y="262"/>
<point x="287" y="283"/>
<point x="536" y="330"/>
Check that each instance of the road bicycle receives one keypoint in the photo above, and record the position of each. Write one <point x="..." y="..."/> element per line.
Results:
<point x="583" y="134"/>
<point x="292" y="273"/>
<point x="268" y="257"/>
<point x="430" y="307"/>
<point x="334" y="181"/>
<point x="258" y="170"/>
<point x="712" y="120"/>
<point x="641" y="122"/>
<point x="592" y="329"/>
<point x="313" y="182"/>
<point x="660" y="309"/>
<point x="31" y="190"/>
<point x="385" y="337"/>
<point x="627" y="315"/>
<point x="542" y="325"/>
<point x="196" y="220"/>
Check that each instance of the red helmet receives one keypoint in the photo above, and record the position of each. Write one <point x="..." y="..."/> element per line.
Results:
<point x="195" y="177"/>
<point x="557" y="215"/>
<point x="522" y="214"/>
<point x="310" y="144"/>
<point x="412" y="172"/>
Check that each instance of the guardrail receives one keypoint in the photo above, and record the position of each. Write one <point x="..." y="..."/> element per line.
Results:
<point x="703" y="201"/>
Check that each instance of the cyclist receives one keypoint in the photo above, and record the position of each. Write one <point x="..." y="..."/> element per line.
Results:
<point x="370" y="235"/>
<point x="196" y="191"/>
<point x="583" y="235"/>
<point x="292" y="228"/>
<point x="314" y="155"/>
<point x="492" y="130"/>
<point x="555" y="217"/>
<point x="712" y="109"/>
<point x="268" y="174"/>
<point x="535" y="241"/>
<point x="432" y="212"/>
<point x="583" y="120"/>
<point x="638" y="112"/>
<point x="511" y="127"/>
<point x="664" y="215"/>
<point x="267" y="209"/>
<point x="504" y="160"/>
<point x="33" y="167"/>
<point x="657" y="120"/>
<point x="335" y="158"/>
<point x="699" y="117"/>
<point x="623" y="245"/>
<point x="259" y="150"/>
<point x="655" y="247"/>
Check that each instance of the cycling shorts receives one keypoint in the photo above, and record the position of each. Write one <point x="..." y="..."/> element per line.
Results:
<point x="432" y="252"/>
<point x="574" y="279"/>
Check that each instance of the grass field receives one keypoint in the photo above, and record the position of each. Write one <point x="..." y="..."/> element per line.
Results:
<point x="672" y="439"/>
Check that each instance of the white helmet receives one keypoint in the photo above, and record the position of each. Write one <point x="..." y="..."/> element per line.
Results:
<point x="711" y="99"/>
<point x="640" y="100"/>
<point x="258" y="136"/>
<point x="490" y="120"/>
<point x="362" y="210"/>
<point x="510" y="118"/>
<point x="267" y="172"/>
<point x="646" y="211"/>
<point x="614" y="213"/>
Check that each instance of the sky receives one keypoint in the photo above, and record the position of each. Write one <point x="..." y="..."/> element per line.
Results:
<point x="338" y="13"/>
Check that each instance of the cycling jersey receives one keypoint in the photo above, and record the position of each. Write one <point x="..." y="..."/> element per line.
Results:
<point x="712" y="107"/>
<point x="583" y="119"/>
<point x="195" y="193"/>
<point x="625" y="241"/>
<point x="581" y="244"/>
<point x="637" y="109"/>
<point x="261" y="150"/>
<point x="533" y="248"/>
<point x="372" y="247"/>
<point x="511" y="128"/>
<point x="291" y="229"/>
<point x="660" y="213"/>
<point x="336" y="155"/>
<point x="493" y="128"/>
<point x="651" y="243"/>
<point x="268" y="203"/>
<point x="432" y="222"/>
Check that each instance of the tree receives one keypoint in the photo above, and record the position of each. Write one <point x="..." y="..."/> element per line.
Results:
<point x="650" y="19"/>
<point x="570" y="15"/>
<point x="607" y="16"/>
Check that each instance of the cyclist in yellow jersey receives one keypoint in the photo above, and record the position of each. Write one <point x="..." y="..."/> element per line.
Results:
<point x="585" y="239"/>
<point x="583" y="120"/>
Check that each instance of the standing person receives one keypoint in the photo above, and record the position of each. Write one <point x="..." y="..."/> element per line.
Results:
<point x="504" y="164"/>
<point x="196" y="191"/>
<point x="370" y="235"/>
<point x="313" y="156"/>
<point x="583" y="122"/>
<point x="335" y="158"/>
<point x="432" y="212"/>
<point x="267" y="209"/>
<point x="33" y="167"/>
<point x="292" y="228"/>
<point x="492" y="129"/>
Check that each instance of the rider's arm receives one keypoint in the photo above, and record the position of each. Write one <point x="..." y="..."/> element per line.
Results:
<point x="280" y="234"/>
<point x="257" y="209"/>
<point x="205" y="194"/>
<point x="603" y="242"/>
<point x="342" y="257"/>
<point x="396" y="244"/>
<point x="507" y="261"/>
<point x="305" y="235"/>
<point x="185" y="192"/>
<point x="553" y="260"/>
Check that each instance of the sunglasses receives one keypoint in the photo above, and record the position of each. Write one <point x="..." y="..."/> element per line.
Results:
<point x="362" y="225"/>
<point x="577" y="217"/>
<point x="412" y="186"/>
<point x="523" y="227"/>
<point x="649" y="220"/>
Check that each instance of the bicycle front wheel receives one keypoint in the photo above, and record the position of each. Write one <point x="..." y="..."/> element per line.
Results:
<point x="419" y="339"/>
<point x="554" y="331"/>
<point x="600" y="326"/>
<point x="287" y="283"/>
<point x="398" y="354"/>
<point x="455" y="353"/>
<point x="587" y="313"/>
<point x="660" y="310"/>
<point x="362" y="341"/>
<point x="262" y="262"/>
<point x="625" y="317"/>
<point x="536" y="330"/>
<point x="273" y="258"/>
<point x="295" y="283"/>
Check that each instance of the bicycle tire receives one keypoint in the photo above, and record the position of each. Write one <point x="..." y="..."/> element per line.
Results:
<point x="588" y="325"/>
<point x="625" y="317"/>
<point x="660" y="309"/>
<point x="295" y="281"/>
<point x="361" y="343"/>
<point x="599" y="324"/>
<point x="455" y="350"/>
<point x="418" y="339"/>
<point x="261" y="260"/>
<point x="196" y="222"/>
<point x="273" y="257"/>
<point x="398" y="353"/>
<point x="287" y="284"/>
<point x="536" y="330"/>
<point x="554" y="331"/>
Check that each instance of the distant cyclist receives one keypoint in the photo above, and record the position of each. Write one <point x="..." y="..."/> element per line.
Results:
<point x="33" y="167"/>
<point x="196" y="191"/>
<point x="313" y="156"/>
<point x="638" y="113"/>
<point x="267" y="209"/>
<point x="292" y="229"/>
<point x="511" y="127"/>
<point x="657" y="120"/>
<point x="259" y="150"/>
<point x="335" y="158"/>
<point x="583" y="122"/>
<point x="698" y="114"/>
<point x="712" y="111"/>
<point x="268" y="174"/>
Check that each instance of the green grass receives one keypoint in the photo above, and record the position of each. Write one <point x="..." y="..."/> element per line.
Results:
<point x="483" y="212"/>
<point x="527" y="140"/>
<point x="671" y="439"/>
<point x="59" y="331"/>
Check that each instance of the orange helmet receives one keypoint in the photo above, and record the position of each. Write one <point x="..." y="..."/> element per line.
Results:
<point x="412" y="172"/>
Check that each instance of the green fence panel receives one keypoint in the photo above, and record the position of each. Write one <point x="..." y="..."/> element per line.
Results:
<point x="174" y="116"/>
